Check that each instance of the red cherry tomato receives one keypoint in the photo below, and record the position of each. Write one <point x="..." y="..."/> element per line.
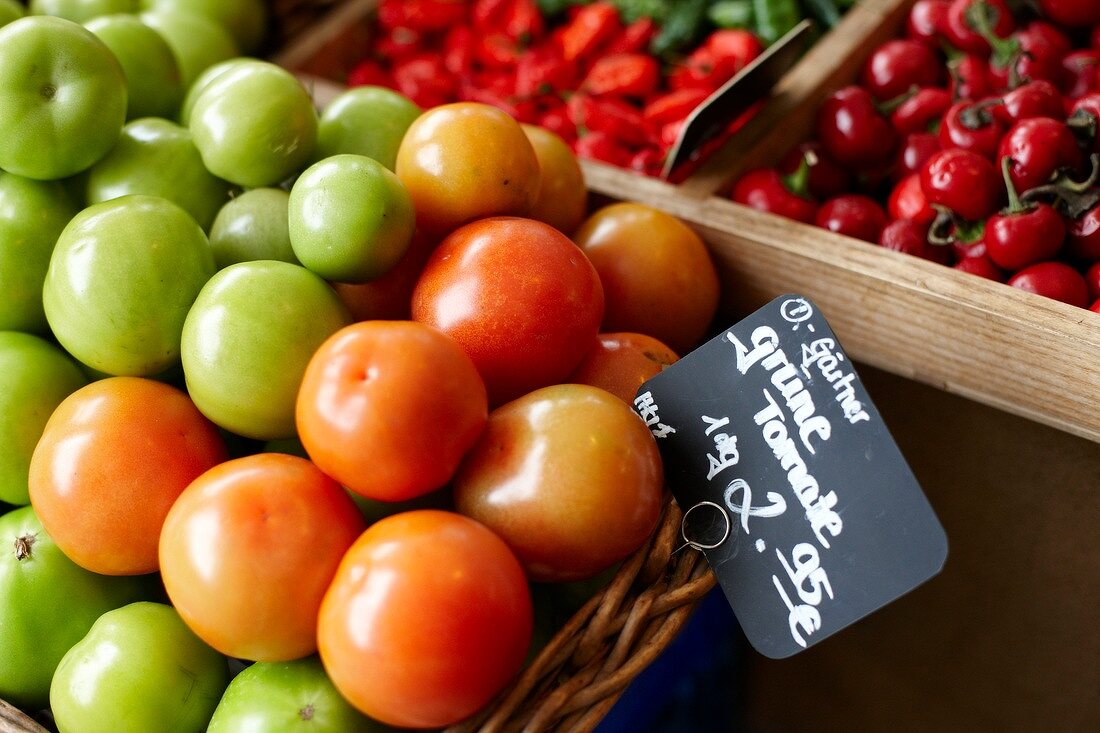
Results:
<point x="112" y="460"/>
<point x="898" y="65"/>
<point x="854" y="215"/>
<point x="926" y="19"/>
<point x="1092" y="279"/>
<point x="1054" y="280"/>
<point x="1016" y="239"/>
<point x="569" y="477"/>
<point x="915" y="152"/>
<point x="766" y="190"/>
<point x="826" y="179"/>
<point x="1082" y="71"/>
<point x="1084" y="235"/>
<point x="970" y="77"/>
<point x="922" y="111"/>
<point x="981" y="266"/>
<point x="1034" y="99"/>
<point x="519" y="298"/>
<point x="1072" y="13"/>
<point x="427" y="618"/>
<point x="961" y="30"/>
<point x="240" y="537"/>
<point x="907" y="201"/>
<point x="911" y="237"/>
<point x="388" y="408"/>
<point x="1042" y="47"/>
<point x="971" y="126"/>
<point x="962" y="181"/>
<point x="853" y="131"/>
<point x="1037" y="148"/>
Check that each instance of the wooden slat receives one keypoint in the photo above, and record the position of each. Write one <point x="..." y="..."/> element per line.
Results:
<point x="1016" y="351"/>
<point x="334" y="45"/>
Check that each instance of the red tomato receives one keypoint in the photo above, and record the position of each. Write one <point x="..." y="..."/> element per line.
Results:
<point x="388" y="408"/>
<point x="621" y="362"/>
<point x="519" y="298"/>
<point x="248" y="550"/>
<point x="113" y="458"/>
<point x="428" y="617"/>
<point x="656" y="272"/>
<point x="388" y="297"/>
<point x="569" y="476"/>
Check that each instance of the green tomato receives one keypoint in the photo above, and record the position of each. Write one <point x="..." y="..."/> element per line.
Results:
<point x="123" y="275"/>
<point x="351" y="219"/>
<point x="253" y="226"/>
<point x="244" y="19"/>
<point x="254" y="125"/>
<point x="32" y="215"/>
<point x="156" y="157"/>
<point x="79" y="11"/>
<point x="197" y="41"/>
<point x="47" y="604"/>
<point x="203" y="81"/>
<point x="35" y="377"/>
<point x="368" y="121"/>
<point x="287" y="697"/>
<point x="248" y="339"/>
<point x="62" y="98"/>
<point x="138" y="669"/>
<point x="152" y="73"/>
<point x="10" y="10"/>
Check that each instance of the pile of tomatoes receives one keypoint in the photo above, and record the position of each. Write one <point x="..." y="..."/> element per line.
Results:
<point x="592" y="80"/>
<point x="978" y="131"/>
<point x="323" y="394"/>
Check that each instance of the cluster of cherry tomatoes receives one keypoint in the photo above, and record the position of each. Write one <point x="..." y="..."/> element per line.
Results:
<point x="592" y="79"/>
<point x="978" y="131"/>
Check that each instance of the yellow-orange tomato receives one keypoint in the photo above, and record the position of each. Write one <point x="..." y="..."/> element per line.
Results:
<point x="113" y="458"/>
<point x="388" y="408"/>
<point x="657" y="275"/>
<point x="466" y="161"/>
<point x="428" y="617"/>
<point x="621" y="362"/>
<point x="569" y="476"/>
<point x="248" y="551"/>
<point x="563" y="197"/>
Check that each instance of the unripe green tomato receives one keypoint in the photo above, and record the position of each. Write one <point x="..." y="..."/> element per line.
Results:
<point x="139" y="669"/>
<point x="203" y="81"/>
<point x="244" y="19"/>
<point x="79" y="11"/>
<point x="32" y="215"/>
<point x="152" y="72"/>
<point x="10" y="10"/>
<point x="254" y="125"/>
<point x="122" y="278"/>
<point x="35" y="377"/>
<point x="62" y="98"/>
<point x="351" y="219"/>
<point x="197" y="41"/>
<point x="157" y="157"/>
<point x="368" y="121"/>
<point x="253" y="226"/>
<point x="47" y="604"/>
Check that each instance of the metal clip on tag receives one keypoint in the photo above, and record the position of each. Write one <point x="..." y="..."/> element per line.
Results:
<point x="703" y="542"/>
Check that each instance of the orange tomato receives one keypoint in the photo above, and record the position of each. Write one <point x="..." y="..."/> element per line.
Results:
<point x="428" y="617"/>
<point x="563" y="196"/>
<point x="113" y="458"/>
<point x="388" y="408"/>
<point x="657" y="275"/>
<point x="248" y="550"/>
<point x="621" y="362"/>
<point x="466" y="161"/>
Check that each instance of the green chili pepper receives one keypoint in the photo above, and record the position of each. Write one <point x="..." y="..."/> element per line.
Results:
<point x="775" y="17"/>
<point x="731" y="14"/>
<point x="681" y="26"/>
<point x="632" y="10"/>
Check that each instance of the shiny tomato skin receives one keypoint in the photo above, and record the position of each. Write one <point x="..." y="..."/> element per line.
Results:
<point x="569" y="476"/>
<point x="621" y="362"/>
<point x="563" y="196"/>
<point x="657" y="275"/>
<point x="428" y="617"/>
<point x="113" y="458"/>
<point x="388" y="408"/>
<point x="248" y="550"/>
<point x="519" y="298"/>
<point x="388" y="298"/>
<point x="466" y="161"/>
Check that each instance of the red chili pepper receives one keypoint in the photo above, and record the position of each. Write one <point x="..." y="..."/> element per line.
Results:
<point x="399" y="45"/>
<point x="981" y="266"/>
<point x="369" y="73"/>
<point x="827" y="178"/>
<point x="1082" y="70"/>
<point x="424" y="80"/>
<point x="557" y="120"/>
<point x="973" y="127"/>
<point x="488" y="15"/>
<point x="635" y="37"/>
<point x="543" y="71"/>
<point x="593" y="26"/>
<point x="1038" y="147"/>
<point x="670" y="133"/>
<point x="423" y="16"/>
<point x="969" y="77"/>
<point x="853" y="131"/>
<point x="915" y="152"/>
<point x="673" y="106"/>
<point x="907" y="201"/>
<point x="458" y="51"/>
<point x="1053" y="280"/>
<point x="1022" y="234"/>
<point x="1034" y="99"/>
<point x="765" y="189"/>
<point x="963" y="24"/>
<point x="626" y="75"/>
<point x="497" y="51"/>
<point x="733" y="49"/>
<point x="612" y="116"/>
<point x="854" y="215"/>
<point x="523" y="22"/>
<point x="1084" y="235"/>
<point x="926" y="19"/>
<point x="647" y="161"/>
<point x="911" y="237"/>
<point x="921" y="112"/>
<point x="700" y="70"/>
<point x="897" y="66"/>
<point x="602" y="146"/>
<point x="963" y="182"/>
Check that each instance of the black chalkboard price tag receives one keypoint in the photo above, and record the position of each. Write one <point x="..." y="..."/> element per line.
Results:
<point x="791" y="484"/>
